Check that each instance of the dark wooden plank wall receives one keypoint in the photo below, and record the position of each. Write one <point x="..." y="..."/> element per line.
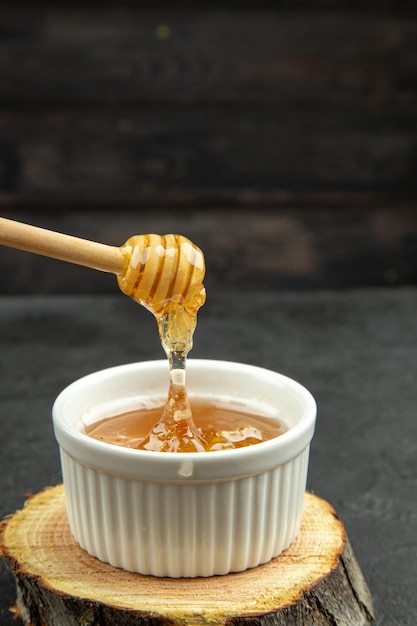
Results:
<point x="281" y="137"/>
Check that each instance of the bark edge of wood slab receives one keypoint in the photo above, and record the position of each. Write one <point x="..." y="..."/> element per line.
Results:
<point x="316" y="581"/>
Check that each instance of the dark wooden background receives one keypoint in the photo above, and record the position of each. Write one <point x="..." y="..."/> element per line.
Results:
<point x="280" y="136"/>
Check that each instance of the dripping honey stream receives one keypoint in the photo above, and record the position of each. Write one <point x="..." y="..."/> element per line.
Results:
<point x="163" y="273"/>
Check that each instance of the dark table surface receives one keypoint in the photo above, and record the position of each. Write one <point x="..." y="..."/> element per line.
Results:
<point x="355" y="350"/>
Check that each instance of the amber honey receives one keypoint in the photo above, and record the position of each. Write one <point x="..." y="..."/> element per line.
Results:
<point x="219" y="425"/>
<point x="165" y="274"/>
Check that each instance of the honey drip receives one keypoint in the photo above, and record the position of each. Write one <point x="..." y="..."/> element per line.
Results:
<point x="165" y="274"/>
<point x="175" y="431"/>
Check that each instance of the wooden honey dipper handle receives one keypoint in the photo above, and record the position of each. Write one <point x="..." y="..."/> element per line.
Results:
<point x="63" y="247"/>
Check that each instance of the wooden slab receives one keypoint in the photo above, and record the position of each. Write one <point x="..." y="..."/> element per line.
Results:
<point x="316" y="581"/>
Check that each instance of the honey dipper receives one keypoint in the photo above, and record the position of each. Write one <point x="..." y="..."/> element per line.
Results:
<point x="158" y="271"/>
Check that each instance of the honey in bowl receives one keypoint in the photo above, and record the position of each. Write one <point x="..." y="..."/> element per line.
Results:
<point x="221" y="425"/>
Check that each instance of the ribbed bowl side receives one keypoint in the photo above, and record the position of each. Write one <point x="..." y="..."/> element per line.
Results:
<point x="185" y="530"/>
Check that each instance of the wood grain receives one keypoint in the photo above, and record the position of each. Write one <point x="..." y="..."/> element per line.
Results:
<point x="207" y="56"/>
<point x="177" y="159"/>
<point x="317" y="576"/>
<point x="181" y="107"/>
<point x="291" y="125"/>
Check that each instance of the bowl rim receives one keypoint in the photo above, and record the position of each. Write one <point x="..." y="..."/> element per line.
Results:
<point x="186" y="466"/>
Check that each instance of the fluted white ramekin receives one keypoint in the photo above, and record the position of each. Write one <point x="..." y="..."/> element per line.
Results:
<point x="184" y="514"/>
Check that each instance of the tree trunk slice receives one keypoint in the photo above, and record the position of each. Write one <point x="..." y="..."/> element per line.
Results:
<point x="316" y="581"/>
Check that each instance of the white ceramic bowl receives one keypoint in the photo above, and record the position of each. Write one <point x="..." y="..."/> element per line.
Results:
<point x="184" y="514"/>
